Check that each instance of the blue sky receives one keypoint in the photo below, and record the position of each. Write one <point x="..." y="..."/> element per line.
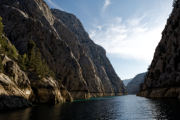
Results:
<point x="129" y="30"/>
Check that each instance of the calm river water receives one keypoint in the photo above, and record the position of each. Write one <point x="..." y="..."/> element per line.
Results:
<point x="129" y="107"/>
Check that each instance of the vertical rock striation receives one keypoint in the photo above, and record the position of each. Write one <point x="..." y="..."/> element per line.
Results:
<point x="80" y="66"/>
<point x="103" y="73"/>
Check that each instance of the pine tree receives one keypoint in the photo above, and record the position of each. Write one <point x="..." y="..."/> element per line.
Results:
<point x="23" y="61"/>
<point x="31" y="62"/>
<point x="31" y="55"/>
<point x="39" y="65"/>
<point x="36" y="65"/>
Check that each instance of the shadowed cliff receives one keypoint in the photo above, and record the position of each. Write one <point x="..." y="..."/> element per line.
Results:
<point x="163" y="77"/>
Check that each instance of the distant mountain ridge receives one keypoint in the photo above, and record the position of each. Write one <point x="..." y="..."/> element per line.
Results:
<point x="133" y="86"/>
<point x="126" y="81"/>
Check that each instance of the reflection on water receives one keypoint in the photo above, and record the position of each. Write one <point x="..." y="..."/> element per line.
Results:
<point x="127" y="107"/>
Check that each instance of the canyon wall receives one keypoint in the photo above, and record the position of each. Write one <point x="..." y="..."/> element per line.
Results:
<point x="79" y="67"/>
<point x="163" y="77"/>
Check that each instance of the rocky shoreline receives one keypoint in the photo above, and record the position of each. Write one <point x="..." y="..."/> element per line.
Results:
<point x="13" y="103"/>
<point x="161" y="93"/>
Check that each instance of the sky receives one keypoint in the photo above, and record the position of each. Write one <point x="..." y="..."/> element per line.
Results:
<point x="129" y="30"/>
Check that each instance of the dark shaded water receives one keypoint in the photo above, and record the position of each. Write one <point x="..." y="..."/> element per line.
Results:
<point x="127" y="107"/>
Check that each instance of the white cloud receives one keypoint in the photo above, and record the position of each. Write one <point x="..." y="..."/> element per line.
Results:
<point x="106" y="4"/>
<point x="130" y="39"/>
<point x="53" y="4"/>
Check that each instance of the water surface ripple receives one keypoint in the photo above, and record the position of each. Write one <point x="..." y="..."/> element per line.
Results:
<point x="129" y="107"/>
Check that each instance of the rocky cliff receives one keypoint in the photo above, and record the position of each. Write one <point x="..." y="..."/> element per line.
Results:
<point x="92" y="58"/>
<point x="133" y="86"/>
<point x="17" y="89"/>
<point x="163" y="77"/>
<point x="81" y="68"/>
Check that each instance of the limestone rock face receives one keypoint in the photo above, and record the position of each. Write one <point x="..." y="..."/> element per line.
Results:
<point x="133" y="86"/>
<point x="103" y="73"/>
<point x="34" y="23"/>
<point x="14" y="82"/>
<point x="163" y="77"/>
<point x="15" y="89"/>
<point x="18" y="91"/>
<point x="78" y="63"/>
<point x="47" y="90"/>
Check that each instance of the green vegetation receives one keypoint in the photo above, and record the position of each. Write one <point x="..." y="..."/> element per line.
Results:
<point x="32" y="62"/>
<point x="5" y="46"/>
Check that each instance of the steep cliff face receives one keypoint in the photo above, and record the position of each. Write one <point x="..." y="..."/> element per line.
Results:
<point x="32" y="19"/>
<point x="79" y="64"/>
<point x="102" y="70"/>
<point x="133" y="86"/>
<point x="163" y="77"/>
<point x="14" y="82"/>
<point x="17" y="89"/>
